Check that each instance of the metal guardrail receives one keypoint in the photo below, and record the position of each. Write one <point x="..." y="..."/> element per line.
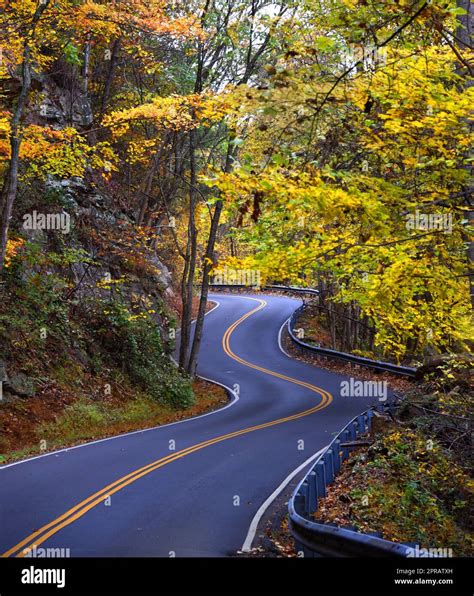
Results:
<point x="344" y="356"/>
<point x="230" y="286"/>
<point x="378" y="365"/>
<point x="279" y="288"/>
<point x="294" y="289"/>
<point x="315" y="539"/>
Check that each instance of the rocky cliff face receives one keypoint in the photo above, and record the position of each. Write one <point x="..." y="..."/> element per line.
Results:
<point x="76" y="247"/>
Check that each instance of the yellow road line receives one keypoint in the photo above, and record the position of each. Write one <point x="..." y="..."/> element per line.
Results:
<point x="48" y="530"/>
<point x="229" y="352"/>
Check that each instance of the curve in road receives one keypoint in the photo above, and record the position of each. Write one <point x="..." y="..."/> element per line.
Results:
<point x="215" y="471"/>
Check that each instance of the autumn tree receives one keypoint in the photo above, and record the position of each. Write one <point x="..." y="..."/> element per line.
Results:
<point x="36" y="35"/>
<point x="361" y="130"/>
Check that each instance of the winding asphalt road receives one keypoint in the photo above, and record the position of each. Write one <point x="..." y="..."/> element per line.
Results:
<point x="189" y="488"/>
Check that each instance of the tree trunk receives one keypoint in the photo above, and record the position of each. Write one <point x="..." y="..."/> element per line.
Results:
<point x="207" y="265"/>
<point x="148" y="187"/>
<point x="190" y="261"/>
<point x="110" y="77"/>
<point x="10" y="185"/>
<point x="464" y="41"/>
<point x="87" y="56"/>
<point x="252" y="64"/>
<point x="8" y="196"/>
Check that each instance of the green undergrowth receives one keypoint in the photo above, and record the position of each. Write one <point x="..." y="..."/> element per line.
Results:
<point x="49" y="331"/>
<point x="414" y="492"/>
<point x="95" y="358"/>
<point x="84" y="419"/>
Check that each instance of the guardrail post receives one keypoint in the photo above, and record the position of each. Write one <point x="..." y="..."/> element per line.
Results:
<point x="320" y="479"/>
<point x="352" y="431"/>
<point x="299" y="502"/>
<point x="345" y="450"/>
<point x="361" y="421"/>
<point x="370" y="415"/>
<point x="305" y="495"/>
<point x="336" y="456"/>
<point x="312" y="492"/>
<point x="329" y="466"/>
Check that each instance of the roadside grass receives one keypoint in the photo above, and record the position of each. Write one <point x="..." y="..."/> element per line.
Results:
<point x="87" y="418"/>
<point x="97" y="366"/>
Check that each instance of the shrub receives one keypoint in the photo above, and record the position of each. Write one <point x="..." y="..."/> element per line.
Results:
<point x="137" y="347"/>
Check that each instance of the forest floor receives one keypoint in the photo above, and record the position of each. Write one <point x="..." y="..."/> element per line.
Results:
<point x="396" y="383"/>
<point x="317" y="333"/>
<point x="55" y="420"/>
<point x="71" y="408"/>
<point x="405" y="486"/>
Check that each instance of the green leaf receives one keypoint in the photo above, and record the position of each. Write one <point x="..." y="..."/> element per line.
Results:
<point x="72" y="54"/>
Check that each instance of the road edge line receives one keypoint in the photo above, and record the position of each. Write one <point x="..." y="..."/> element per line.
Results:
<point x="280" y="334"/>
<point x="247" y="545"/>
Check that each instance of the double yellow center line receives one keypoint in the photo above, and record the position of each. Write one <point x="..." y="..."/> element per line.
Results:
<point x="67" y="518"/>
